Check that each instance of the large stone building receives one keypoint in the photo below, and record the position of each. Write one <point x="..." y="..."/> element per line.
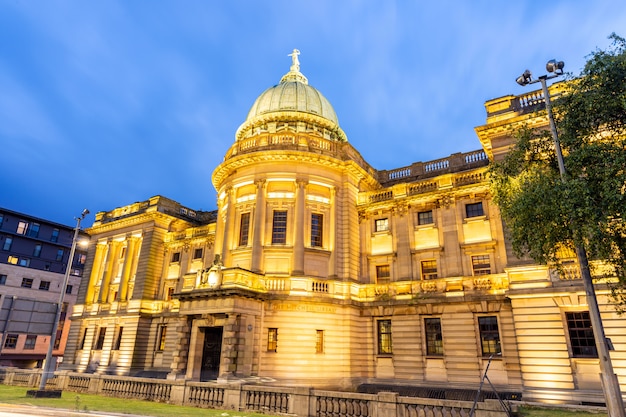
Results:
<point x="34" y="256"/>
<point x="316" y="269"/>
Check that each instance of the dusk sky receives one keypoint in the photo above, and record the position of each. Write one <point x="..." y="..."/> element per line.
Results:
<point x="104" y="103"/>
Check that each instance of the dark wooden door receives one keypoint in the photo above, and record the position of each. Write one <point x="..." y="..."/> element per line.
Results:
<point x="211" y="353"/>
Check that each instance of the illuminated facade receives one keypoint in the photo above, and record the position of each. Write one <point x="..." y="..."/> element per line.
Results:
<point x="318" y="270"/>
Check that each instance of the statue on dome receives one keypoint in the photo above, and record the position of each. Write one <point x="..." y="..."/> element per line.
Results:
<point x="295" y="63"/>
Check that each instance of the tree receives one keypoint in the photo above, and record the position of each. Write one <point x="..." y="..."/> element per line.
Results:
<point x="545" y="214"/>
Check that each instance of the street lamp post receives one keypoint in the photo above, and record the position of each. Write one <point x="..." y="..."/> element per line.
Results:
<point x="47" y="368"/>
<point x="608" y="378"/>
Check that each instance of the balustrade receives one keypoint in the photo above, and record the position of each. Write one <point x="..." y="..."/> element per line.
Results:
<point x="268" y="399"/>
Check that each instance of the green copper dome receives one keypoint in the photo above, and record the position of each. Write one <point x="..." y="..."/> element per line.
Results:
<point x="293" y="93"/>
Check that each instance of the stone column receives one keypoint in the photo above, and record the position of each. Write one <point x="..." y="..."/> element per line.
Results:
<point x="228" y="227"/>
<point x="114" y="248"/>
<point x="228" y="360"/>
<point x="299" y="228"/>
<point x="258" y="229"/>
<point x="332" y="221"/>
<point x="96" y="273"/>
<point x="127" y="270"/>
<point x="181" y="351"/>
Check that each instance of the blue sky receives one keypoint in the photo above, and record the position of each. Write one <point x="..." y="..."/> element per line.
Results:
<point x="104" y="103"/>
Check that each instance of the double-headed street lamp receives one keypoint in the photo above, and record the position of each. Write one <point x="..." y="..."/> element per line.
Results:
<point x="610" y="383"/>
<point x="47" y="368"/>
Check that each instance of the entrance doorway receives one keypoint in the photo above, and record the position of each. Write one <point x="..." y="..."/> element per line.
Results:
<point x="211" y="352"/>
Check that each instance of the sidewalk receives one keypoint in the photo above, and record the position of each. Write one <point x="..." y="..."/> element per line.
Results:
<point x="11" y="410"/>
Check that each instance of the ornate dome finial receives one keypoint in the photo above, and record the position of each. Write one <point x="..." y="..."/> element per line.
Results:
<point x="295" y="63"/>
<point x="294" y="73"/>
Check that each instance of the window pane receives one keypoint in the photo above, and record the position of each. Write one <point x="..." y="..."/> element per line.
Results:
<point x="384" y="337"/>
<point x="55" y="235"/>
<point x="197" y="254"/>
<point x="316" y="229"/>
<point x="429" y="269"/>
<point x="27" y="282"/>
<point x="581" y="335"/>
<point x="21" y="228"/>
<point x="383" y="273"/>
<point x="176" y="257"/>
<point x="279" y="227"/>
<point x="161" y="338"/>
<point x="474" y="210"/>
<point x="481" y="265"/>
<point x="3" y="279"/>
<point x="100" y="340"/>
<point x="30" y="341"/>
<point x="489" y="335"/>
<point x="60" y="254"/>
<point x="33" y="230"/>
<point x="44" y="285"/>
<point x="319" y="341"/>
<point x="434" y="339"/>
<point x="244" y="229"/>
<point x="8" y="241"/>
<point x="425" y="217"/>
<point x="381" y="225"/>
<point x="11" y="341"/>
<point x="272" y="340"/>
<point x="37" y="250"/>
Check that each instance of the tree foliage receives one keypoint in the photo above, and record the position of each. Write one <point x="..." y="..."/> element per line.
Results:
<point x="544" y="213"/>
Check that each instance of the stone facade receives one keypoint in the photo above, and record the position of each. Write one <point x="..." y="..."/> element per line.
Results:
<point x="318" y="270"/>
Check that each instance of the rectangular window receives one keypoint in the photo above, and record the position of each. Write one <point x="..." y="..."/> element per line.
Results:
<point x="489" y="335"/>
<point x="425" y="217"/>
<point x="279" y="227"/>
<point x="37" y="250"/>
<point x="197" y="254"/>
<point x="81" y="345"/>
<point x="100" y="340"/>
<point x="33" y="230"/>
<point x="244" y="229"/>
<point x="169" y="293"/>
<point x="118" y="338"/>
<point x="12" y="260"/>
<point x="29" y="343"/>
<point x="384" y="337"/>
<point x="27" y="282"/>
<point x="429" y="269"/>
<point x="1" y="218"/>
<point x="55" y="236"/>
<point x="60" y="254"/>
<point x="474" y="210"/>
<point x="381" y="225"/>
<point x="8" y="241"/>
<point x="581" y="334"/>
<point x="11" y="341"/>
<point x="24" y="262"/>
<point x="319" y="341"/>
<point x="434" y="337"/>
<point x="3" y="279"/>
<point x="68" y="289"/>
<point x="81" y="259"/>
<point x="317" y="223"/>
<point x="481" y="265"/>
<point x="44" y="285"/>
<point x="272" y="339"/>
<point x="161" y="338"/>
<point x="22" y="226"/>
<point x="175" y="257"/>
<point x="383" y="273"/>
